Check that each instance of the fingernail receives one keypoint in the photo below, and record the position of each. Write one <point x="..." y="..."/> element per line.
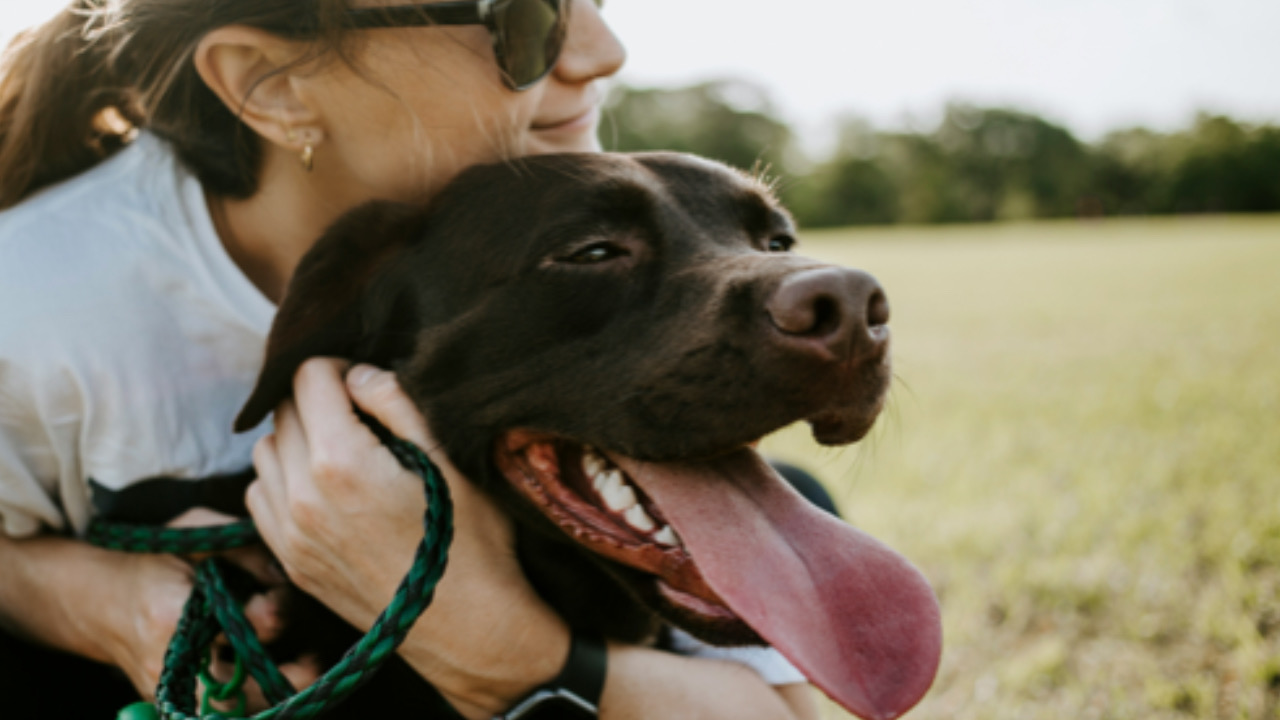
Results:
<point x="361" y="374"/>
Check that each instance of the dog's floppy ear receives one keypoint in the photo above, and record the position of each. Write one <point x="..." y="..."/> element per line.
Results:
<point x="334" y="301"/>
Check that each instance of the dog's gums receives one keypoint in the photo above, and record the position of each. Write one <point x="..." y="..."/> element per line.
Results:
<point x="593" y="501"/>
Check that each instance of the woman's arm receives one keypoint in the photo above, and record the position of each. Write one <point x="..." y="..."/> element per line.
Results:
<point x="110" y="607"/>
<point x="344" y="518"/>
<point x="119" y="608"/>
<point x="645" y="683"/>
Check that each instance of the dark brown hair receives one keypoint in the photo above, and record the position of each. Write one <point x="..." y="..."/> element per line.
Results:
<point x="76" y="89"/>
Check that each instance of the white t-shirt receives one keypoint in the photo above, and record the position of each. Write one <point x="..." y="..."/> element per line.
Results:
<point x="129" y="340"/>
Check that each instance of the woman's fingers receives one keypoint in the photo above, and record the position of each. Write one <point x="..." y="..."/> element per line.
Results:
<point x="344" y="517"/>
<point x="255" y="700"/>
<point x="331" y="502"/>
<point x="341" y="514"/>
<point x="325" y="414"/>
<point x="484" y="535"/>
<point x="267" y="612"/>
<point x="257" y="561"/>
<point x="266" y="497"/>
<point x="378" y="393"/>
<point x="324" y="445"/>
<point x="295" y="451"/>
<point x="303" y="672"/>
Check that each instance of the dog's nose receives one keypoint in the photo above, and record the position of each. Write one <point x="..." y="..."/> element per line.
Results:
<point x="835" y="310"/>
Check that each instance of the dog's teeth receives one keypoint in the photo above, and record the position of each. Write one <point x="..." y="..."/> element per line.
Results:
<point x="592" y="467"/>
<point x="639" y="519"/>
<point x="620" y="497"/>
<point x="666" y="536"/>
<point x="592" y="463"/>
<point x="608" y="479"/>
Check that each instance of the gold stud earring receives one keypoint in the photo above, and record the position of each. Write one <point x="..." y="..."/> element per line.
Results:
<point x="308" y="158"/>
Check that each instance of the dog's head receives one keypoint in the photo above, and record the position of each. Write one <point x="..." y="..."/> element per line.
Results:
<point x="597" y="340"/>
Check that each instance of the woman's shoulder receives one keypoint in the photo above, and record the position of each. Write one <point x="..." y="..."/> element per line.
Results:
<point x="74" y="236"/>
<point x="110" y="198"/>
<point x="140" y="208"/>
<point x="95" y="247"/>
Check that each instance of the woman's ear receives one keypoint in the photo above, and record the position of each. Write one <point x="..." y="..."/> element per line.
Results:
<point x="249" y="70"/>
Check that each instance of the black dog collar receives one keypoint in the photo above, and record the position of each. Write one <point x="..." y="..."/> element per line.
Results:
<point x="574" y="694"/>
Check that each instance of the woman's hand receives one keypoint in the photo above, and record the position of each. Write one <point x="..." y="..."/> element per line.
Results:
<point x="150" y="592"/>
<point x="341" y="514"/>
<point x="140" y="609"/>
<point x="120" y="608"/>
<point x="344" y="519"/>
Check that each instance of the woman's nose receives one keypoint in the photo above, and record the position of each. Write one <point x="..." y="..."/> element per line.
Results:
<point x="591" y="50"/>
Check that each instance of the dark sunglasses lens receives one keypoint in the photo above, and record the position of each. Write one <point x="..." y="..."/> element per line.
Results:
<point x="530" y="34"/>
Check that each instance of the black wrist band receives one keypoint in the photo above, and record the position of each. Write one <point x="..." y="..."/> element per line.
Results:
<point x="575" y="692"/>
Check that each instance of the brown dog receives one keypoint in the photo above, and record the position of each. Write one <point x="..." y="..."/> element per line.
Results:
<point x="596" y="340"/>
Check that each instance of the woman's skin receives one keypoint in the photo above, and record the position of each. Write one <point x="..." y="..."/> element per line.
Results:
<point x="335" y="508"/>
<point x="423" y="104"/>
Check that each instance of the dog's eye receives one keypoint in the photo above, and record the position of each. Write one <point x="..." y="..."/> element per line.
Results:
<point x="596" y="253"/>
<point x="781" y="243"/>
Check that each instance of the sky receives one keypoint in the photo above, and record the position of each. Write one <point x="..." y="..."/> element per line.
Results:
<point x="1092" y="65"/>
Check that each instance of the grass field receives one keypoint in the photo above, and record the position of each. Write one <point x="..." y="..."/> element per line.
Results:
<point x="1082" y="452"/>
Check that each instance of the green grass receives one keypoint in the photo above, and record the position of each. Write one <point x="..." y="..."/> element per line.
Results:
<point x="1082" y="452"/>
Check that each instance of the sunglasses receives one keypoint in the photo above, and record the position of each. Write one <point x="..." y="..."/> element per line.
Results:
<point x="527" y="34"/>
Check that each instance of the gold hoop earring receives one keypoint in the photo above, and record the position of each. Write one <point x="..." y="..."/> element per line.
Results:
<point x="308" y="158"/>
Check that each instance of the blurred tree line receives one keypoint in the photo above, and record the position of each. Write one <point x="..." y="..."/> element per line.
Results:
<point x="979" y="164"/>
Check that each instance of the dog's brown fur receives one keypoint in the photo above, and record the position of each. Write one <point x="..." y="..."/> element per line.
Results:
<point x="644" y="304"/>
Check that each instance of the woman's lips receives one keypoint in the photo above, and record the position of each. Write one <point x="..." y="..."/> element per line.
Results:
<point x="577" y="123"/>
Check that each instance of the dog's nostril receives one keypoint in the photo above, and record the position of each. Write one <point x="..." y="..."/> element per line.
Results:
<point x="826" y="317"/>
<point x="807" y="315"/>
<point x="878" y="309"/>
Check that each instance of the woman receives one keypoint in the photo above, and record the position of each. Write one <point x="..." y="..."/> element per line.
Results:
<point x="166" y="164"/>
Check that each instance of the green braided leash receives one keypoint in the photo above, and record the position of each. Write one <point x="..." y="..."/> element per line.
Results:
<point x="212" y="610"/>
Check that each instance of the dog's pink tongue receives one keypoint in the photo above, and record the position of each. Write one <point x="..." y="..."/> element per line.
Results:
<point x="855" y="617"/>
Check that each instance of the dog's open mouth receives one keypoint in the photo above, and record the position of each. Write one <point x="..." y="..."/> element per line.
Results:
<point x="588" y="496"/>
<point x="727" y="543"/>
